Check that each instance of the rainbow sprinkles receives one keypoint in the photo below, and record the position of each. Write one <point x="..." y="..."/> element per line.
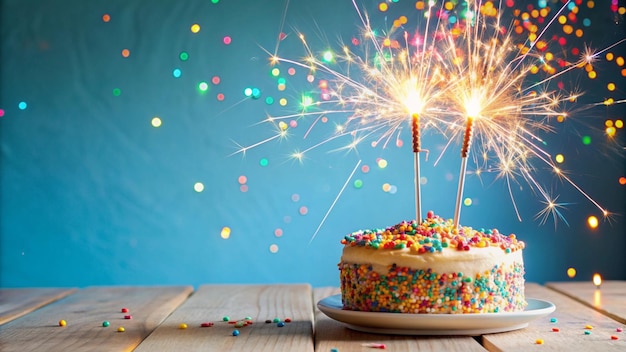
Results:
<point x="432" y="267"/>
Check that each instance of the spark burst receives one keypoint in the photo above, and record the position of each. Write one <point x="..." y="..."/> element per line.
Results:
<point x="460" y="72"/>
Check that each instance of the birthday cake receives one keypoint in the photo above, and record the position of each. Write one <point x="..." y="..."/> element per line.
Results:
<point x="432" y="267"/>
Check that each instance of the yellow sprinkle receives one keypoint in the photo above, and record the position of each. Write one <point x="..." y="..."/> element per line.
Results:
<point x="182" y="326"/>
<point x="539" y="341"/>
<point x="121" y="329"/>
<point x="62" y="322"/>
<point x="588" y="327"/>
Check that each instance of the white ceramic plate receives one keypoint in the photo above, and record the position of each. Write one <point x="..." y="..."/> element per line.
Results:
<point x="434" y="324"/>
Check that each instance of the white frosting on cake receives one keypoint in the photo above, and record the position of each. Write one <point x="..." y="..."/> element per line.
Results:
<point x="476" y="260"/>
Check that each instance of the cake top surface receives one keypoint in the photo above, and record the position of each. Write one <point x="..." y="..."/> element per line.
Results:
<point x="434" y="234"/>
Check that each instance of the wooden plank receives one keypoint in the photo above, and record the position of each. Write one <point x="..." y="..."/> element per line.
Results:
<point x="259" y="302"/>
<point x="331" y="334"/>
<point x="609" y="299"/>
<point x="85" y="312"/>
<point x="572" y="318"/>
<point x="15" y="302"/>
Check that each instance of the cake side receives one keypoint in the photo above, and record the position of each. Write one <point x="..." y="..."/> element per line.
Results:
<point x="432" y="268"/>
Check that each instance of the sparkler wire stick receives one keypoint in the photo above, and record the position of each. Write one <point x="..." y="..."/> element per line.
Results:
<point x="416" y="152"/>
<point x="467" y="140"/>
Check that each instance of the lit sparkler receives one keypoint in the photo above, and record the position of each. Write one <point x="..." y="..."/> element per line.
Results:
<point x="460" y="67"/>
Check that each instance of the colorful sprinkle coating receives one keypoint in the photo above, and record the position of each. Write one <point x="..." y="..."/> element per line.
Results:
<point x="434" y="234"/>
<point x="407" y="290"/>
<point x="62" y="322"/>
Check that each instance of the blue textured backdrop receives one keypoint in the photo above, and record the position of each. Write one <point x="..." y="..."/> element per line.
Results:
<point x="93" y="193"/>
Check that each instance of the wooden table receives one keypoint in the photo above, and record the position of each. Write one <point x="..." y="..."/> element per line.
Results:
<point x="29" y="321"/>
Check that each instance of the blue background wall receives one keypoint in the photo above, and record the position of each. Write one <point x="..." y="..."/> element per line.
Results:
<point x="92" y="193"/>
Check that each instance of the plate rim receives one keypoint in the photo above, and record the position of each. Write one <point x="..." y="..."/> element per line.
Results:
<point x="519" y="320"/>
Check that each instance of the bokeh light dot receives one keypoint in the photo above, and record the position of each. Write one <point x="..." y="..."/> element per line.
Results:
<point x="22" y="104"/>
<point x="242" y="179"/>
<point x="177" y="73"/>
<point x="243" y="188"/>
<point x="198" y="187"/>
<point x="291" y="71"/>
<point x="393" y="189"/>
<point x="220" y="97"/>
<point x="559" y="158"/>
<point x="382" y="163"/>
<point x="264" y="162"/>
<point x="106" y="17"/>
<point x="117" y="92"/>
<point x="278" y="232"/>
<point x="423" y="180"/>
<point x="382" y="7"/>
<point x="247" y="92"/>
<point x="358" y="184"/>
<point x="227" y="40"/>
<point x="386" y="187"/>
<point x="156" y="121"/>
<point x="269" y="100"/>
<point x="225" y="233"/>
<point x="274" y="248"/>
<point x="622" y="181"/>
<point x="610" y="86"/>
<point x="303" y="210"/>
<point x="293" y="123"/>
<point x="619" y="123"/>
<point x="586" y="140"/>
<point x="571" y="273"/>
<point x="282" y="101"/>
<point x="365" y="169"/>
<point x="1" y="112"/>
<point x="592" y="221"/>
<point x="125" y="53"/>
<point x="203" y="86"/>
<point x="195" y="28"/>
<point x="183" y="56"/>
<point x="310" y="78"/>
<point x="467" y="202"/>
<point x="275" y="71"/>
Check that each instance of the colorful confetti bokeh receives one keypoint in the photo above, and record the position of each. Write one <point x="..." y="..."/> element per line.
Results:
<point x="204" y="142"/>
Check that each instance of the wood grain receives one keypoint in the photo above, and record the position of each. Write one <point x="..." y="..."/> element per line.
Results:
<point x="15" y="302"/>
<point x="85" y="311"/>
<point x="332" y="334"/>
<point x="259" y="302"/>
<point x="609" y="299"/>
<point x="572" y="318"/>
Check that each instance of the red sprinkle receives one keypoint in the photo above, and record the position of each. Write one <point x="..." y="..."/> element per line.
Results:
<point x="124" y="310"/>
<point x="619" y="329"/>
<point x="613" y="337"/>
<point x="128" y="317"/>
<point x="555" y="329"/>
<point x="287" y="320"/>
<point x="206" y="325"/>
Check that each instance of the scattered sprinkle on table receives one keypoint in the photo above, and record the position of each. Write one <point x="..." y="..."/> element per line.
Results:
<point x="121" y="329"/>
<point x="619" y="329"/>
<point x="124" y="310"/>
<point x="182" y="326"/>
<point x="381" y="346"/>
<point x="206" y="325"/>
<point x="287" y="320"/>
<point x="555" y="329"/>
<point x="105" y="323"/>
<point x="334" y="350"/>
<point x="587" y="332"/>
<point x="128" y="317"/>
<point x="588" y="327"/>
<point x="553" y="320"/>
<point x="613" y="337"/>
<point x="62" y="322"/>
<point x="235" y="332"/>
<point x="539" y="341"/>
<point x="276" y="320"/>
<point x="226" y="318"/>
<point x="268" y="321"/>
<point x="280" y="324"/>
